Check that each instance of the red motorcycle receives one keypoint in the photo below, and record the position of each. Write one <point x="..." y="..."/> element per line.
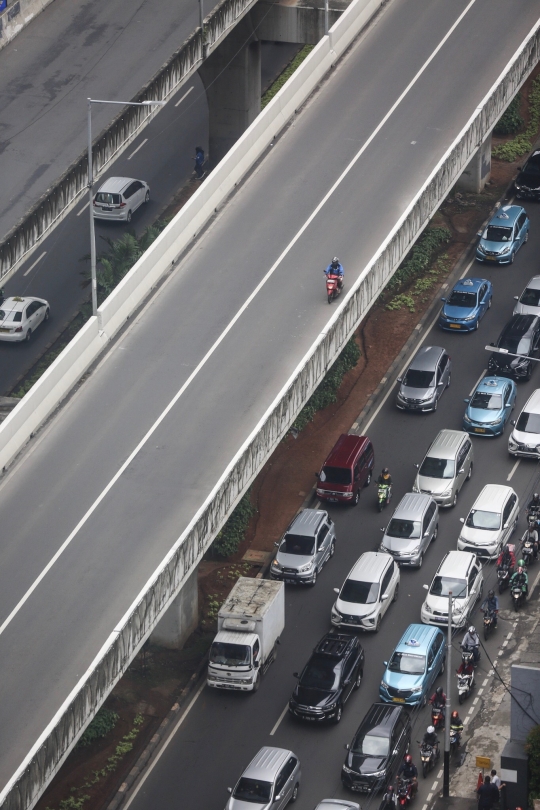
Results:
<point x="404" y="792"/>
<point x="334" y="285"/>
<point x="437" y="717"/>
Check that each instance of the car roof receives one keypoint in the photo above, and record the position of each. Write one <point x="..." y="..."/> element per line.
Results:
<point x="337" y="804"/>
<point x="533" y="283"/>
<point x="469" y="284"/>
<point x="333" y="645"/>
<point x="412" y="506"/>
<point x="427" y="358"/>
<point x="307" y="522"/>
<point x="266" y="764"/>
<point x="446" y="443"/>
<point x="370" y="566"/>
<point x="417" y="639"/>
<point x="519" y="325"/>
<point x="16" y="303"/>
<point x="456" y="563"/>
<point x="533" y="403"/>
<point x="493" y="385"/>
<point x="492" y="497"/>
<point x="345" y="450"/>
<point x="381" y="719"/>
<point x="115" y="184"/>
<point x="506" y="215"/>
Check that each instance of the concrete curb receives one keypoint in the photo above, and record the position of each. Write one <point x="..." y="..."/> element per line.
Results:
<point x="162" y="732"/>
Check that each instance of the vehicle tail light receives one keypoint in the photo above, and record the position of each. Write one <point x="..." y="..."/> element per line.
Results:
<point x="18" y="329"/>
<point x="122" y="205"/>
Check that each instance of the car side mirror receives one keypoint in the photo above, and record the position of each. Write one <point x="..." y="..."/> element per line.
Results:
<point x="466" y="399"/>
<point x="229" y="790"/>
<point x="462" y="520"/>
<point x="385" y="663"/>
<point x="384" y="597"/>
<point x="277" y="543"/>
<point x="443" y="299"/>
<point x="505" y="526"/>
<point x="277" y="798"/>
<point x="516" y="297"/>
<point x="256" y="664"/>
<point x="426" y="533"/>
<point x="296" y="675"/>
<point x="426" y="587"/>
<point x="461" y="471"/>
<point x="514" y="422"/>
<point x="347" y="747"/>
<point x="492" y="344"/>
<point x="400" y="379"/>
<point x="395" y="752"/>
<point x="417" y="466"/>
<point x="383" y="529"/>
<point x="479" y="233"/>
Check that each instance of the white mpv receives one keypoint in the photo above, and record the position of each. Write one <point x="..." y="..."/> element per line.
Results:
<point x="490" y="522"/>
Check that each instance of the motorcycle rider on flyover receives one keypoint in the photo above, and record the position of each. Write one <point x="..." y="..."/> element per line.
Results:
<point x="335" y="268"/>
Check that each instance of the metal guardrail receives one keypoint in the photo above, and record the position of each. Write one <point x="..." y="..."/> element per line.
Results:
<point x="57" y="200"/>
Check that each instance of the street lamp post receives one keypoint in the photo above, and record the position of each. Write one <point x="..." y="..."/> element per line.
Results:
<point x="91" y="183"/>
<point x="326" y="14"/>
<point x="446" y="777"/>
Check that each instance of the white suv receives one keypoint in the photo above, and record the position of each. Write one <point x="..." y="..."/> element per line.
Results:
<point x="366" y="594"/>
<point x="525" y="437"/>
<point x="461" y="573"/>
<point x="490" y="522"/>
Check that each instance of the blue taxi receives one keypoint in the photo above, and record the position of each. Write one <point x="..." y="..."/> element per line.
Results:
<point x="414" y="665"/>
<point x="466" y="305"/>
<point x="490" y="406"/>
<point x="506" y="232"/>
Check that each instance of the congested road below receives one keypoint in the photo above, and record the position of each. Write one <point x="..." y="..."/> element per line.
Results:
<point x="223" y="731"/>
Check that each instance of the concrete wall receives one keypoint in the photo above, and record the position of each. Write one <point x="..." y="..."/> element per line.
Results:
<point x="525" y="711"/>
<point x="181" y="618"/>
<point x="16" y="16"/>
<point x="165" y="584"/>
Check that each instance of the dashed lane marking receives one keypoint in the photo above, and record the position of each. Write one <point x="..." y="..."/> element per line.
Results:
<point x="184" y="96"/>
<point x="140" y="146"/>
<point x="280" y="718"/>
<point x="512" y="471"/>
<point x="36" y="262"/>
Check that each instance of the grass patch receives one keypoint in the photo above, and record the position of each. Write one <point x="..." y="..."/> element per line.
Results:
<point x="523" y="143"/>
<point x="419" y="263"/>
<point x="232" y="534"/>
<point x="287" y="73"/>
<point x="104" y="722"/>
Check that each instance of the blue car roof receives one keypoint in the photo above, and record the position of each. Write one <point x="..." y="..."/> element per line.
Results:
<point x="493" y="385"/>
<point x="506" y="215"/>
<point x="469" y="284"/>
<point x="417" y="638"/>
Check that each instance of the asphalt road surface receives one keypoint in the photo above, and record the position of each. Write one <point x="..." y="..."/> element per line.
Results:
<point x="51" y="634"/>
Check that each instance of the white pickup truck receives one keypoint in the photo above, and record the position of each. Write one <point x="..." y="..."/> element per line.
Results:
<point x="250" y="623"/>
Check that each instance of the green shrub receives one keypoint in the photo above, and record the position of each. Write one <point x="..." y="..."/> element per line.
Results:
<point x="420" y="257"/>
<point x="399" y="301"/>
<point x="232" y="534"/>
<point x="326" y="393"/>
<point x="511" y="121"/>
<point x="287" y="73"/>
<point x="104" y="721"/>
<point x="532" y="747"/>
<point x="514" y="149"/>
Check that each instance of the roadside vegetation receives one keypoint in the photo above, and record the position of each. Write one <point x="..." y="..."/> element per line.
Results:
<point x="287" y="73"/>
<point x="523" y="142"/>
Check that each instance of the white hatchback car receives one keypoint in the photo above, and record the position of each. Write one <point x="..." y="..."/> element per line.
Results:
<point x="20" y="317"/>
<point x="461" y="573"/>
<point x="525" y="437"/>
<point x="119" y="197"/>
<point x="366" y="594"/>
<point x="490" y="522"/>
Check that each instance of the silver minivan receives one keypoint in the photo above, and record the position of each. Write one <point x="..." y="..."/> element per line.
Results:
<point x="413" y="526"/>
<point x="119" y="197"/>
<point x="446" y="466"/>
<point x="306" y="546"/>
<point x="271" y="780"/>
<point x="425" y="381"/>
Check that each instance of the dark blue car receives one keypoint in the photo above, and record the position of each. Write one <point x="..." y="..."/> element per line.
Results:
<point x="466" y="305"/>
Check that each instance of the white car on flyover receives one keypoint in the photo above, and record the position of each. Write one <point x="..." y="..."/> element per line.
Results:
<point x="20" y="317"/>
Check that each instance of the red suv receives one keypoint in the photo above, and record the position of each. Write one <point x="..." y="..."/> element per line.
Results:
<point x="347" y="469"/>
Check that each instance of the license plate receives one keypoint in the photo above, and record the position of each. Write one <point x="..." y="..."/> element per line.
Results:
<point x="491" y="258"/>
<point x="333" y="500"/>
<point x="105" y="209"/>
<point x="479" y="430"/>
<point x="290" y="581"/>
<point x="3" y="330"/>
<point x="398" y="700"/>
<point x="455" y="326"/>
<point x="309" y="718"/>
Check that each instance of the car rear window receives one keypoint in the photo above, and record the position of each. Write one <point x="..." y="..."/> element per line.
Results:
<point x="253" y="790"/>
<point x="497" y="233"/>
<point x="408" y="529"/>
<point x="14" y="315"/>
<point x="361" y="593"/>
<point x="407" y="663"/>
<point x="462" y="299"/>
<point x="371" y="746"/>
<point x="335" y="475"/>
<point x="487" y="401"/>
<point x="298" y="544"/>
<point x="437" y="467"/>
<point x="108" y="199"/>
<point x="478" y="519"/>
<point x="418" y="379"/>
<point x="530" y="297"/>
<point x="528" y="422"/>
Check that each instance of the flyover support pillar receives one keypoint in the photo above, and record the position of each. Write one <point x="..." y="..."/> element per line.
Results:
<point x="232" y="78"/>
<point x="478" y="172"/>
<point x="181" y="618"/>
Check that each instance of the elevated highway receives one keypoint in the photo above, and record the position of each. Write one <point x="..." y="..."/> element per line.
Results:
<point x="97" y="503"/>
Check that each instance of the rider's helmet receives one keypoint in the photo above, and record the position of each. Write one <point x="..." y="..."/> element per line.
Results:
<point x="335" y="261"/>
<point x="536" y="496"/>
<point x="431" y="729"/>
<point x="408" y="759"/>
<point x="491" y="593"/>
<point x="521" y="563"/>
<point x="472" y="629"/>
<point x="440" y="691"/>
<point x="385" y="471"/>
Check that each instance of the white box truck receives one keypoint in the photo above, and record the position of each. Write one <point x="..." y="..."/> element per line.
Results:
<point x="250" y="623"/>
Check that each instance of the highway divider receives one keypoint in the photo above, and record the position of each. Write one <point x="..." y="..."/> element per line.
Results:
<point x="156" y="596"/>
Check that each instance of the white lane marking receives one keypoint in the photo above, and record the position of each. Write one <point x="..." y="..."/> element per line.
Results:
<point x="512" y="471"/>
<point x="499" y="653"/>
<point x="424" y="807"/>
<point x="471" y="710"/>
<point x="149" y="768"/>
<point x="467" y="269"/>
<point x="481" y="691"/>
<point x="486" y="680"/>
<point x="140" y="146"/>
<point x="184" y="96"/>
<point x="230" y="325"/>
<point x="509" y="635"/>
<point x="83" y="209"/>
<point x="280" y="718"/>
<point x="439" y="775"/>
<point x="36" y="262"/>
<point x="479" y="380"/>
<point x="505" y="642"/>
<point x="429" y="796"/>
<point x="475" y="701"/>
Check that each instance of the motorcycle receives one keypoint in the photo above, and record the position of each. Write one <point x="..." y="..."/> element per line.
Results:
<point x="467" y="655"/>
<point x="334" y="285"/>
<point x="404" y="792"/>
<point x="455" y="740"/>
<point x="504" y="572"/>
<point x="437" y="717"/>
<point x="518" y="596"/>
<point x="527" y="551"/>
<point x="489" y="622"/>
<point x="389" y="800"/>
<point x="384" y="493"/>
<point x="465" y="684"/>
<point x="429" y="754"/>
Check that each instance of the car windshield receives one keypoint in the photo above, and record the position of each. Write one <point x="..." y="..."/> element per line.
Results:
<point x="408" y="529"/>
<point x="418" y="379"/>
<point x="407" y="663"/>
<point x="478" y="519"/>
<point x="107" y="199"/>
<point x="528" y="422"/>
<point x="230" y="655"/>
<point x="11" y="315"/>
<point x="533" y="166"/>
<point x="516" y="344"/>
<point x="530" y="297"/>
<point x="253" y="790"/>
<point x="298" y="544"/>
<point x="486" y="401"/>
<point x="361" y="593"/>
<point x="371" y="746"/>
<point x="437" y="467"/>
<point x="462" y="299"/>
<point x="335" y="475"/>
<point x="441" y="586"/>
<point x="321" y="673"/>
<point x="497" y="233"/>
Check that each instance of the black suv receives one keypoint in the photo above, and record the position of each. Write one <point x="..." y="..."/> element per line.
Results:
<point x="527" y="183"/>
<point x="377" y="749"/>
<point x="521" y="335"/>
<point x="335" y="668"/>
